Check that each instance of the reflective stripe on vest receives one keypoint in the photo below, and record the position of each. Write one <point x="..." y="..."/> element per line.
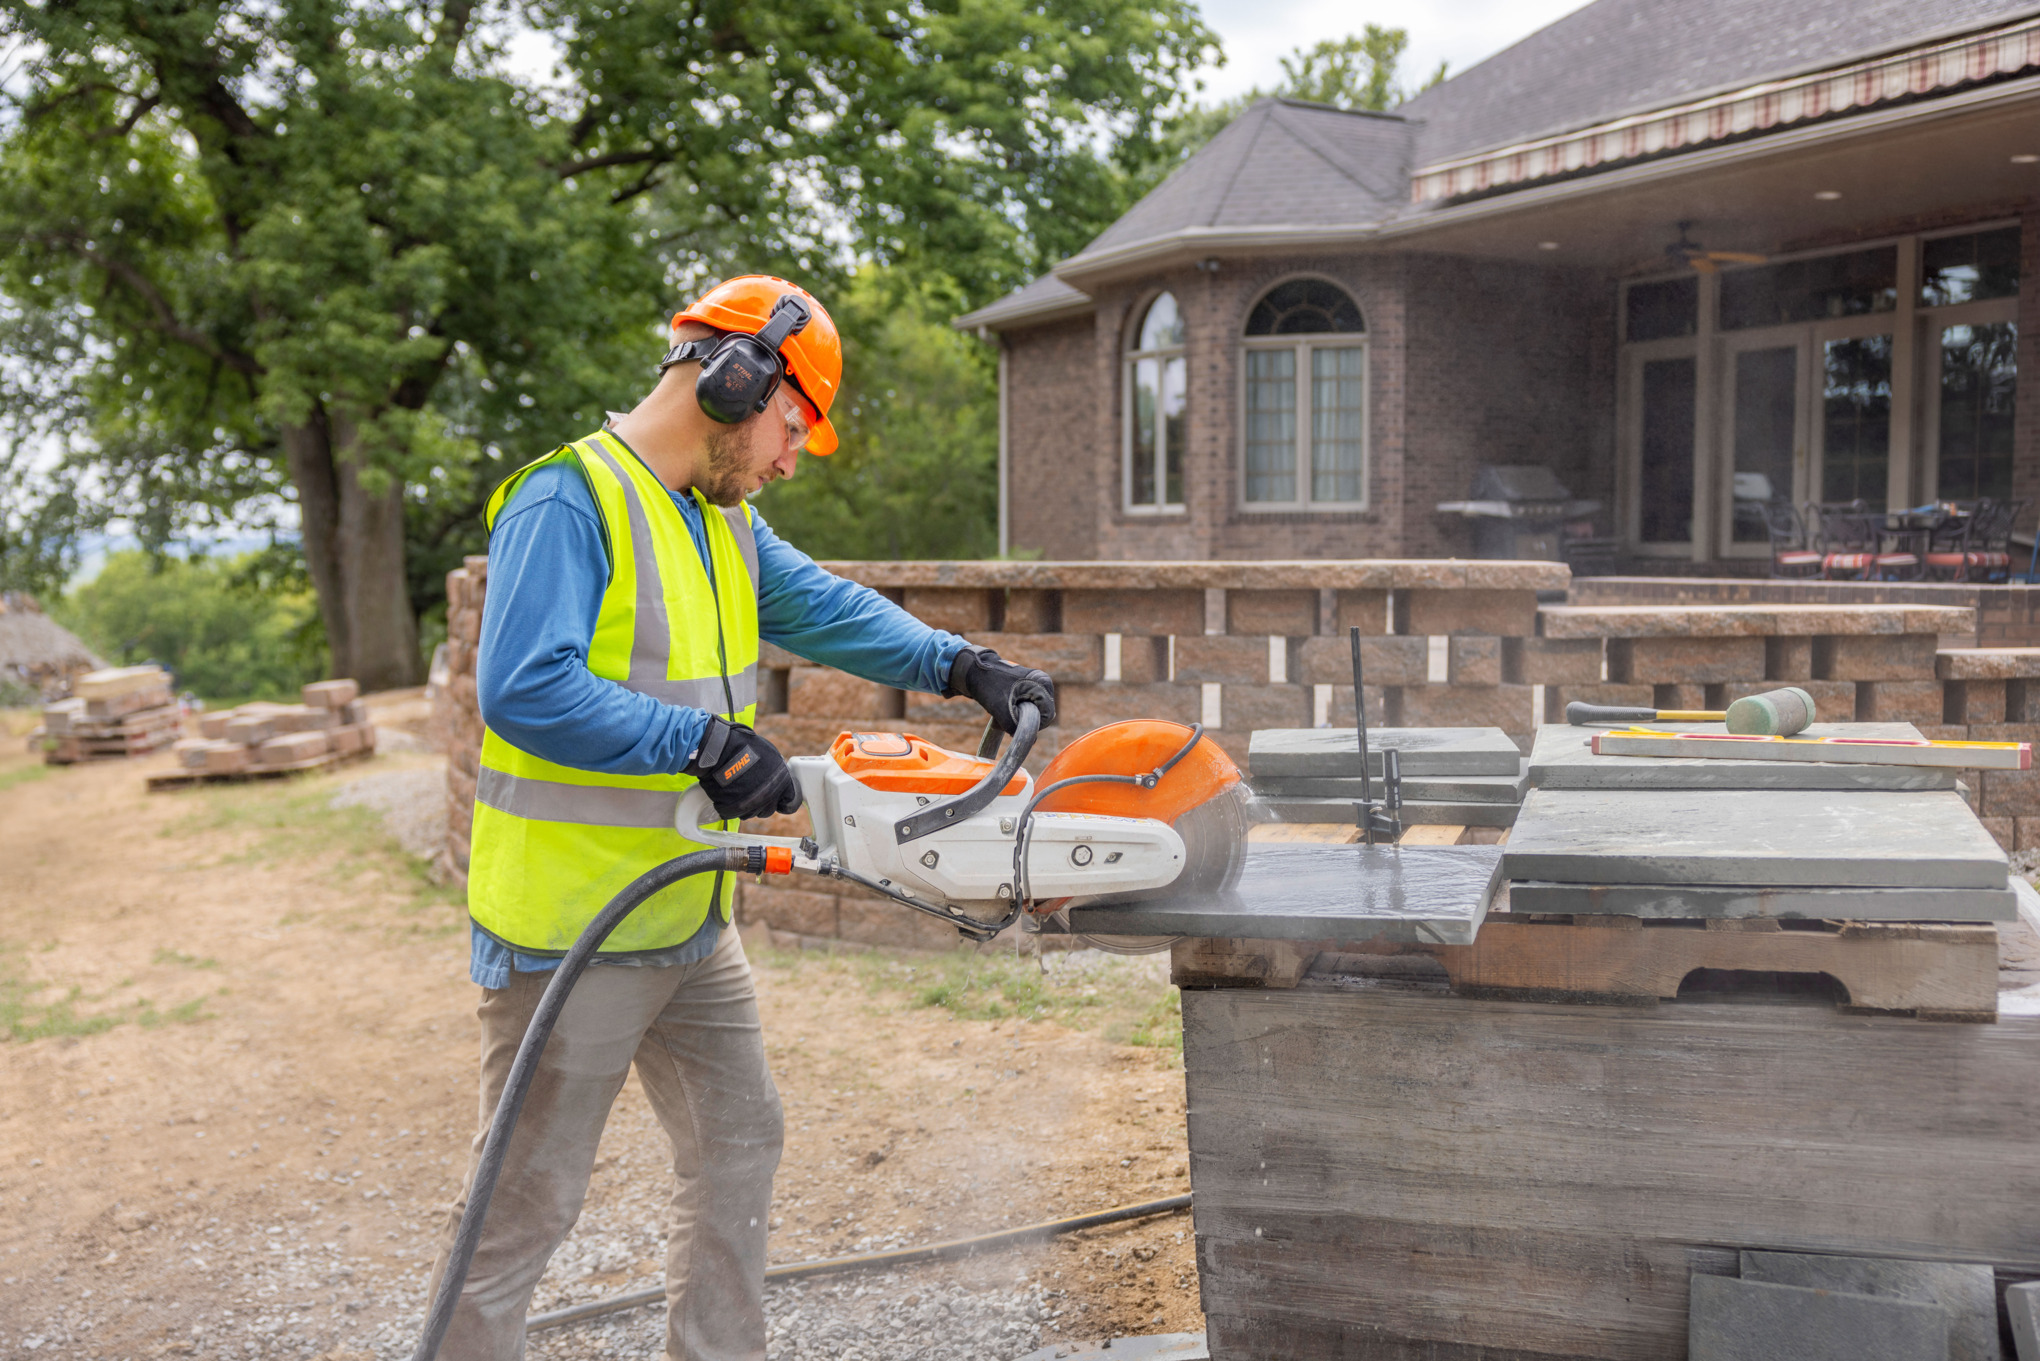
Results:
<point x="552" y="844"/>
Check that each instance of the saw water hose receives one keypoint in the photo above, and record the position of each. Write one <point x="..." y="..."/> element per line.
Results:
<point x="490" y="1166"/>
<point x="868" y="1261"/>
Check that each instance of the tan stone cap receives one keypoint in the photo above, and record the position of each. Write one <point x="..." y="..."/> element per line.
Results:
<point x="1349" y="574"/>
<point x="1743" y="621"/>
<point x="1987" y="663"/>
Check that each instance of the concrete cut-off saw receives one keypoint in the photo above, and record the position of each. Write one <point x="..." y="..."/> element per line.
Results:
<point x="1130" y="810"/>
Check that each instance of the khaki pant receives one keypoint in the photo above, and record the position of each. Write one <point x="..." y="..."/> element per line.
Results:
<point x="692" y="1030"/>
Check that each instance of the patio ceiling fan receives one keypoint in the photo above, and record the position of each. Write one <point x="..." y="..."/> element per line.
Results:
<point x="1689" y="252"/>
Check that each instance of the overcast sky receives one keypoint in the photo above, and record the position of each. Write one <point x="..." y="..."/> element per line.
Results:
<point x="1259" y="33"/>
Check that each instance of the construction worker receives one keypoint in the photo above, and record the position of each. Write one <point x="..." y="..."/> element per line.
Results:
<point x="630" y="585"/>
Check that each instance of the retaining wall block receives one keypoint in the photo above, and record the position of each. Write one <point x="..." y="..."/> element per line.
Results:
<point x="1972" y="701"/>
<point x="1503" y="613"/>
<point x="871" y="920"/>
<point x="2006" y="793"/>
<point x="1874" y="657"/>
<point x="1551" y="661"/>
<point x="820" y="692"/>
<point x="1895" y="701"/>
<point x="1381" y="702"/>
<point x="1247" y="708"/>
<point x="1285" y="614"/>
<point x="1067" y="657"/>
<point x="1788" y="659"/>
<point x="1084" y="707"/>
<point x="1032" y="611"/>
<point x="2002" y="830"/>
<point x="1143" y="660"/>
<point x="2022" y="701"/>
<point x="1471" y="706"/>
<point x="1684" y="661"/>
<point x="1179" y="611"/>
<point x="935" y="709"/>
<point x="1383" y="661"/>
<point x="1363" y="610"/>
<point x="1202" y="658"/>
<point x="2026" y="834"/>
<point x="1687" y="697"/>
<point x="946" y="607"/>
<point x="1473" y="659"/>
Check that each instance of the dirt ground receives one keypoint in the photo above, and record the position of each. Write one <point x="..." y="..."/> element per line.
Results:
<point x="236" y="1059"/>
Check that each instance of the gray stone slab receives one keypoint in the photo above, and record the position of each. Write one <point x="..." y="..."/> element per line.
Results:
<point x="1415" y="812"/>
<point x="1435" y="895"/>
<point x="1687" y="901"/>
<point x="1560" y="760"/>
<point x="2022" y="1303"/>
<point x="1156" y="1347"/>
<point x="1826" y="839"/>
<point x="1732" y="1320"/>
<point x="1325" y="752"/>
<point x="1968" y="1293"/>
<point x="1434" y="788"/>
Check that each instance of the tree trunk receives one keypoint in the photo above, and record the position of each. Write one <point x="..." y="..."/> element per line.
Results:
<point x="354" y="549"/>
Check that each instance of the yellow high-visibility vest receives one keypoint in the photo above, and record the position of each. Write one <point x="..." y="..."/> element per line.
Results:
<point x="552" y="844"/>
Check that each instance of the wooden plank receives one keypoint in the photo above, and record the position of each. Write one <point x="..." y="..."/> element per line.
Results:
<point x="1784" y="1127"/>
<point x="1307" y="833"/>
<point x="1938" y="971"/>
<point x="1441" y="834"/>
<point x="1372" y="1287"/>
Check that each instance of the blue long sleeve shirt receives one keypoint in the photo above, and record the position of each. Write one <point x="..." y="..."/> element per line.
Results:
<point x="547" y="573"/>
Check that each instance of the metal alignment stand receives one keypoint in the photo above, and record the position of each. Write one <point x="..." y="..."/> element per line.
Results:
<point x="1382" y="825"/>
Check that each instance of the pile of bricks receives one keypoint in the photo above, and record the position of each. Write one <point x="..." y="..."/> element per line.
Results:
<point x="330" y="723"/>
<point x="111" y="715"/>
<point x="457" y="713"/>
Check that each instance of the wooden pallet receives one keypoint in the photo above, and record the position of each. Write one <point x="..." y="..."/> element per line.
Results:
<point x="72" y="750"/>
<point x="188" y="779"/>
<point x="1930" y="970"/>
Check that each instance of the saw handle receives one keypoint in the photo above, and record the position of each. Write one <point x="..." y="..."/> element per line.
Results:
<point x="1026" y="728"/>
<point x="695" y="812"/>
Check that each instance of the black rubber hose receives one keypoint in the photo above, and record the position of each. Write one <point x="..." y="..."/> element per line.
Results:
<point x="740" y="860"/>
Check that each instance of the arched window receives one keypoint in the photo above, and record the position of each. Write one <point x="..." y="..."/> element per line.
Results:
<point x="1155" y="373"/>
<point x="1305" y="363"/>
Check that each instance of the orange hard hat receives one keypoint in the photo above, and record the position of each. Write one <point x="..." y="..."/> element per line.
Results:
<point x="814" y="357"/>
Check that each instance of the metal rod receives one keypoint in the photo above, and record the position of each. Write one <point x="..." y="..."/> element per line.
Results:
<point x="1360" y="718"/>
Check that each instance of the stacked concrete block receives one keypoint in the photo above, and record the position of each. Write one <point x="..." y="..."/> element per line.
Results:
<point x="457" y="709"/>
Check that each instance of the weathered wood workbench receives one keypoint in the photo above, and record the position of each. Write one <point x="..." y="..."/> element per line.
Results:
<point x="1387" y="1168"/>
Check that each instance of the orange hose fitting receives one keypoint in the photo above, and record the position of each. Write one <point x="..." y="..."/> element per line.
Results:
<point x="778" y="860"/>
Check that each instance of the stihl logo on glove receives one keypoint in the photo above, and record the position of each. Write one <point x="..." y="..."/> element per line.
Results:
<point x="737" y="767"/>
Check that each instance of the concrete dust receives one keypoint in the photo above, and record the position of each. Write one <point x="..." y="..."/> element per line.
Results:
<point x="253" y="1090"/>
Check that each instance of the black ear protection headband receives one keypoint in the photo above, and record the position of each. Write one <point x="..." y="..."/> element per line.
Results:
<point x="739" y="372"/>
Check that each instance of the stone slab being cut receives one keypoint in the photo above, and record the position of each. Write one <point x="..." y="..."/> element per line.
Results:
<point x="1733" y="1320"/>
<point x="1967" y="1293"/>
<point x="1561" y="760"/>
<point x="1415" y="812"/>
<point x="2022" y="1303"/>
<point x="1330" y="752"/>
<point x="1431" y="788"/>
<point x="1687" y="901"/>
<point x="1435" y="895"/>
<point x="1783" y="838"/>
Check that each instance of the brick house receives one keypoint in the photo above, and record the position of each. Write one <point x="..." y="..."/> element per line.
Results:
<point x="1319" y="326"/>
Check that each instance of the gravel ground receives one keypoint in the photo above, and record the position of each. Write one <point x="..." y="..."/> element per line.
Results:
<point x="412" y="803"/>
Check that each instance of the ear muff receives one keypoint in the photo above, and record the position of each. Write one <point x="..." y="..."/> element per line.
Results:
<point x="742" y="371"/>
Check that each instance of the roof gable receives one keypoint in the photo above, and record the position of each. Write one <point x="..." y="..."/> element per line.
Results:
<point x="1616" y="57"/>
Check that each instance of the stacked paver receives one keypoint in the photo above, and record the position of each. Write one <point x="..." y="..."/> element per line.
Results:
<point x="330" y="723"/>
<point x="1472" y="777"/>
<point x="113" y="714"/>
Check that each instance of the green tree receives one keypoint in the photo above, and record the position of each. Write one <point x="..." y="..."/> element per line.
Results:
<point x="221" y="630"/>
<point x="333" y="255"/>
<point x="917" y="472"/>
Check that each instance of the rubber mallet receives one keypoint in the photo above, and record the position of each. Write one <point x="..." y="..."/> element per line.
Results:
<point x="1775" y="713"/>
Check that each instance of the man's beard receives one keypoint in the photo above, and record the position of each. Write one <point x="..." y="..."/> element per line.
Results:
<point x="728" y="467"/>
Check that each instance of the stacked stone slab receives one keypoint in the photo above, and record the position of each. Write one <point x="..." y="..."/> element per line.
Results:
<point x="1471" y="777"/>
<point x="111" y="714"/>
<point x="331" y="721"/>
<point x="457" y="713"/>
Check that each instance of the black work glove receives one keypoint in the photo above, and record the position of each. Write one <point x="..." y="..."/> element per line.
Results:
<point x="745" y="775"/>
<point x="998" y="685"/>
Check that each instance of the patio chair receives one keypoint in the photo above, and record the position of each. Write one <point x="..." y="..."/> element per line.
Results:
<point x="1976" y="545"/>
<point x="1793" y="551"/>
<point x="1849" y="539"/>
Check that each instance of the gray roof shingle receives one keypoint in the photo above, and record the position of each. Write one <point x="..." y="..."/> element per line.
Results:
<point x="1617" y="57"/>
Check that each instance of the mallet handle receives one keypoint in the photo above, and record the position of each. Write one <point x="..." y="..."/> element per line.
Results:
<point x="1581" y="715"/>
